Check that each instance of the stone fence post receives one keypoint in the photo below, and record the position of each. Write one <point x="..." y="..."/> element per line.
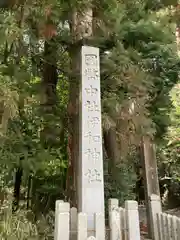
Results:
<point x="73" y="223"/>
<point x="132" y="219"/>
<point x="155" y="208"/>
<point x="82" y="233"/>
<point x="100" y="226"/>
<point x="114" y="219"/>
<point x="62" y="221"/>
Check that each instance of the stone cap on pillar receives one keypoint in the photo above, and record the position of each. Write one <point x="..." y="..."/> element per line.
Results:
<point x="131" y="205"/>
<point x="113" y="201"/>
<point x="62" y="206"/>
<point x="113" y="204"/>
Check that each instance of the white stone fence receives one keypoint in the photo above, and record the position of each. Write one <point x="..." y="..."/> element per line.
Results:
<point x="123" y="223"/>
<point x="168" y="227"/>
<point x="164" y="226"/>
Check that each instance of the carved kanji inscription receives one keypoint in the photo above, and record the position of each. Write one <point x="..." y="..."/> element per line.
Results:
<point x="92" y="106"/>
<point x="90" y="168"/>
<point x="93" y="175"/>
<point x="93" y="138"/>
<point x="93" y="154"/>
<point x="93" y="121"/>
<point x="91" y="59"/>
<point x="91" y="91"/>
<point x="92" y="78"/>
<point x="91" y="72"/>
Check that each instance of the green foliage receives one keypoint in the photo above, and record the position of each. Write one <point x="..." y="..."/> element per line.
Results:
<point x="169" y="149"/>
<point x="139" y="66"/>
<point x="22" y="225"/>
<point x="122" y="187"/>
<point x="16" y="226"/>
<point x="172" y="149"/>
<point x="138" y="72"/>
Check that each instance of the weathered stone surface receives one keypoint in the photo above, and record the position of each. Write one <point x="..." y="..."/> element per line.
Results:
<point x="91" y="238"/>
<point x="62" y="221"/>
<point x="90" y="179"/>
<point x="99" y="226"/>
<point x="73" y="223"/>
<point x="82" y="226"/>
<point x="132" y="219"/>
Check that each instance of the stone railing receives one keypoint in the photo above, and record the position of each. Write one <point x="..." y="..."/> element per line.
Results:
<point x="168" y="227"/>
<point x="123" y="223"/>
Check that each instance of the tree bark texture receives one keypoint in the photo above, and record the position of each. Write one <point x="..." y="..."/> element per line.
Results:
<point x="50" y="76"/>
<point x="29" y="193"/>
<point x="112" y="149"/>
<point x="151" y="182"/>
<point x="17" y="187"/>
<point x="81" y="27"/>
<point x="49" y="98"/>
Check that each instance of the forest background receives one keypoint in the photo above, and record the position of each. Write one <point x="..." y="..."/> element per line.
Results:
<point x="40" y="43"/>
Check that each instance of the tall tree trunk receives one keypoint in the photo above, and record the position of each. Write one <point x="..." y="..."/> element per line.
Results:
<point x="81" y="28"/>
<point x="17" y="186"/>
<point x="49" y="83"/>
<point x="29" y="193"/>
<point x="112" y="149"/>
<point x="50" y="76"/>
<point x="19" y="170"/>
<point x="73" y="127"/>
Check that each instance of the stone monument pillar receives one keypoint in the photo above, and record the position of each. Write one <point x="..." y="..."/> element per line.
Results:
<point x="151" y="186"/>
<point x="90" y="169"/>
